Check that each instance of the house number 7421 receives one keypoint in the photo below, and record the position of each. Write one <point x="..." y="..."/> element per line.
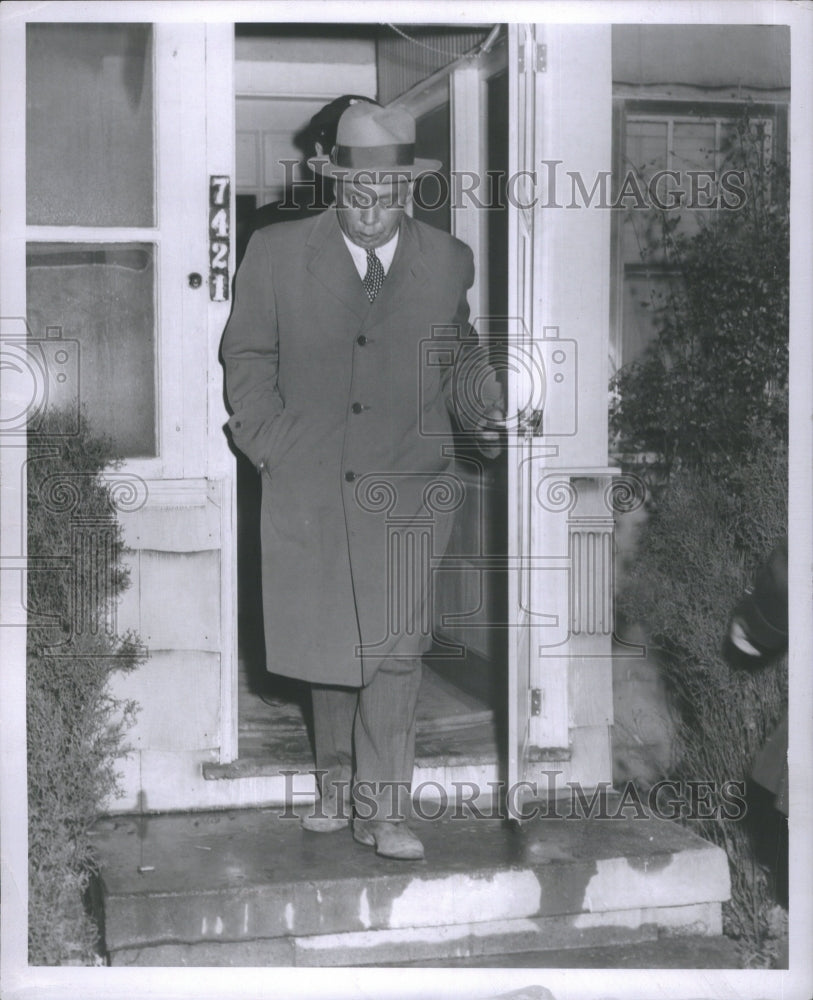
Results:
<point x="219" y="237"/>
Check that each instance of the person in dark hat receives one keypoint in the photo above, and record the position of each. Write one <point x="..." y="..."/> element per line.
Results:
<point x="757" y="637"/>
<point x="316" y="192"/>
<point x="347" y="353"/>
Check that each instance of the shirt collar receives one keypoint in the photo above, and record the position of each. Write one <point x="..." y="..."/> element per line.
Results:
<point x="385" y="253"/>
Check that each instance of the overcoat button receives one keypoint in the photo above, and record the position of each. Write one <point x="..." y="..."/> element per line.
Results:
<point x="356" y="407"/>
<point x="350" y="476"/>
<point x="361" y="340"/>
<point x="238" y="423"/>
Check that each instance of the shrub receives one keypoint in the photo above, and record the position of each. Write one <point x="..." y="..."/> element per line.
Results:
<point x="699" y="550"/>
<point x="75" y="727"/>
<point x="707" y="404"/>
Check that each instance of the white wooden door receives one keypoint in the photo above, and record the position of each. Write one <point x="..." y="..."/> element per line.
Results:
<point x="560" y="518"/>
<point x="116" y="257"/>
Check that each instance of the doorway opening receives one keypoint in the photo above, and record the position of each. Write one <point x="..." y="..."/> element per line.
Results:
<point x="284" y="75"/>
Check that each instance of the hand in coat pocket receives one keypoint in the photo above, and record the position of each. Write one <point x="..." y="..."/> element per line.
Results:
<point x="281" y="438"/>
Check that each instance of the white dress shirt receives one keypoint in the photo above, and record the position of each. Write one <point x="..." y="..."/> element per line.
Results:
<point x="385" y="253"/>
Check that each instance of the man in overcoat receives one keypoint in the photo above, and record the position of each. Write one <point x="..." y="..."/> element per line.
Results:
<point x="343" y="360"/>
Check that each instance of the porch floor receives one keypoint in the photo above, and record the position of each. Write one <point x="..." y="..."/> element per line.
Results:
<point x="250" y="887"/>
<point x="455" y="727"/>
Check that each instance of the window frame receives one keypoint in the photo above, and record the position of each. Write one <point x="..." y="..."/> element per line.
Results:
<point x="626" y="109"/>
<point x="180" y="311"/>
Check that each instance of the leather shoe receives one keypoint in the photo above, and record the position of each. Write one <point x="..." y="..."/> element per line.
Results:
<point x="327" y="814"/>
<point x="391" y="840"/>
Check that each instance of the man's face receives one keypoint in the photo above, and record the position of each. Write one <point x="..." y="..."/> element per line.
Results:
<point x="369" y="214"/>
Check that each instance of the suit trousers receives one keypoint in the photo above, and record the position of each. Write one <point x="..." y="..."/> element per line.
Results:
<point x="373" y="728"/>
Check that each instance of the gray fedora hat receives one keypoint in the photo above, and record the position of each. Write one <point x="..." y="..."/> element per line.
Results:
<point x="374" y="144"/>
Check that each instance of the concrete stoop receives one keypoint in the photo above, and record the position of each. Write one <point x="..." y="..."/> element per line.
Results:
<point x="251" y="888"/>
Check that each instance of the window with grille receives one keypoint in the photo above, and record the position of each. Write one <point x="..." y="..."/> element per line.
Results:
<point x="678" y="164"/>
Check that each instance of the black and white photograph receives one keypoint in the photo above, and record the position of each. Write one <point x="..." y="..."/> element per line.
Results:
<point x="406" y="456"/>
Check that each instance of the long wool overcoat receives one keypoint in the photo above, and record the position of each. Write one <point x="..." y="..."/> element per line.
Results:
<point x="343" y="406"/>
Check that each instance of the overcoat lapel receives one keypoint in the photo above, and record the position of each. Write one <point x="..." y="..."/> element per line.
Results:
<point x="405" y="278"/>
<point x="330" y="264"/>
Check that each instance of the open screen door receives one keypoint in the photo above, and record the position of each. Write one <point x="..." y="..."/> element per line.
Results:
<point x="522" y="141"/>
<point x="560" y="546"/>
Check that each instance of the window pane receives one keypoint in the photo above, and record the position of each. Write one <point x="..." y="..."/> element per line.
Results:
<point x="101" y="297"/>
<point x="644" y="296"/>
<point x="89" y="125"/>
<point x="645" y="153"/>
<point x="693" y="146"/>
<point x="695" y="150"/>
<point x="646" y="147"/>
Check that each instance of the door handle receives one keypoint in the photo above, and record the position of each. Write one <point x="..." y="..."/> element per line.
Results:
<point x="195" y="280"/>
<point x="529" y="422"/>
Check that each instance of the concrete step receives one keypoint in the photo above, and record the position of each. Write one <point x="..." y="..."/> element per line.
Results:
<point x="681" y="951"/>
<point x="250" y="887"/>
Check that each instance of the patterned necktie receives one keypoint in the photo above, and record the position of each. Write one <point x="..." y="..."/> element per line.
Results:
<point x="374" y="278"/>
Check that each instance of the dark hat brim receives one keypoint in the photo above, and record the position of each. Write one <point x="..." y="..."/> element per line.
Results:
<point x="769" y="636"/>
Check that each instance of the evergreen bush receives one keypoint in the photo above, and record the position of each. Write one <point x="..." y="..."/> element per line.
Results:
<point x="76" y="729"/>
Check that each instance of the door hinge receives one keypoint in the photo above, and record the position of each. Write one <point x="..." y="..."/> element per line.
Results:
<point x="536" y="701"/>
<point x="538" y="57"/>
